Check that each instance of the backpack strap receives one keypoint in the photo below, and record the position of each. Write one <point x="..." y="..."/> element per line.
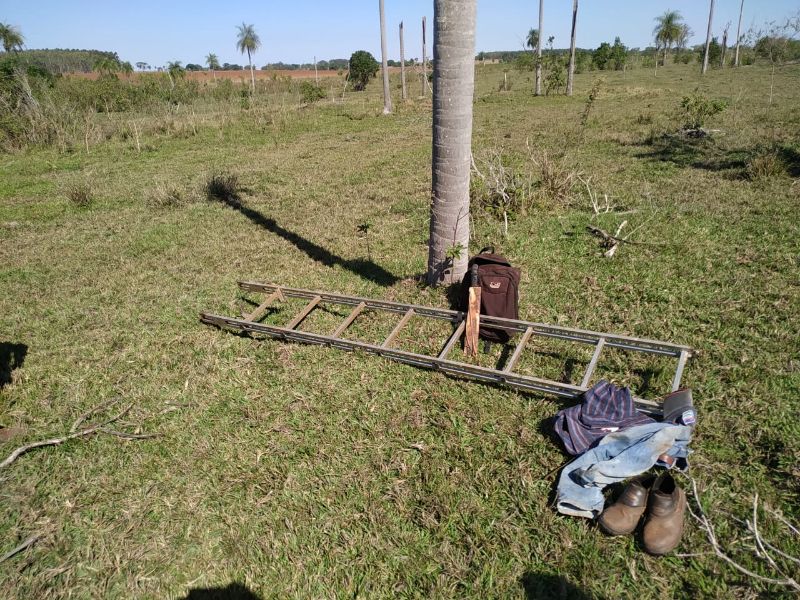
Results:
<point x="489" y="259"/>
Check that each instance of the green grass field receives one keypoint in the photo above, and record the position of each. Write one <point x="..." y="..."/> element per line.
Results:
<point x="308" y="472"/>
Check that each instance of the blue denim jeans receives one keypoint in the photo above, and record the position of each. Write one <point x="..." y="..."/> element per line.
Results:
<point x="617" y="457"/>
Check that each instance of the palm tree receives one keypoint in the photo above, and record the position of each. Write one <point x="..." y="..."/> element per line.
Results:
<point x="532" y="39"/>
<point x="668" y="29"/>
<point x="571" y="69"/>
<point x="453" y="87"/>
<point x="175" y="71"/>
<point x="387" y="97"/>
<point x="402" y="64"/>
<point x="708" y="38"/>
<point x="107" y="66"/>
<point x="539" y="50"/>
<point x="248" y="41"/>
<point x="11" y="37"/>
<point x="738" y="35"/>
<point x="213" y="64"/>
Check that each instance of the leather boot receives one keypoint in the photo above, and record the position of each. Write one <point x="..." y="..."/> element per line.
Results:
<point x="623" y="516"/>
<point x="664" y="526"/>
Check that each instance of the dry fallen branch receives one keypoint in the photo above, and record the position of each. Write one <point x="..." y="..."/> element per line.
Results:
<point x="91" y="412"/>
<point x="708" y="528"/>
<point x="99" y="427"/>
<point x="597" y="209"/>
<point x="24" y="545"/>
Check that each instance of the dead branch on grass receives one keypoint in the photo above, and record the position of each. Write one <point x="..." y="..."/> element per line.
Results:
<point x="99" y="427"/>
<point x="23" y="546"/>
<point x="711" y="535"/>
<point x="597" y="209"/>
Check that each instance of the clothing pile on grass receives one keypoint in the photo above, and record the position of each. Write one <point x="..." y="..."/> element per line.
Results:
<point x="613" y="441"/>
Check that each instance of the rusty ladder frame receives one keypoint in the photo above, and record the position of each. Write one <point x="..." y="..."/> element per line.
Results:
<point x="506" y="375"/>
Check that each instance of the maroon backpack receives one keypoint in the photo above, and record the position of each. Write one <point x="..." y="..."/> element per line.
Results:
<point x="499" y="283"/>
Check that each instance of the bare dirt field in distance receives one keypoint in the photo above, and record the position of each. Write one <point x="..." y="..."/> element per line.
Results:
<point x="233" y="75"/>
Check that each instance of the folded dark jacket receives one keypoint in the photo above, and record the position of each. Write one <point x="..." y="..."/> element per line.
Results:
<point x="605" y="409"/>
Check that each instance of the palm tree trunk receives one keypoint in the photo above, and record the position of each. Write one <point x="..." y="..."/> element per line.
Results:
<point x="571" y="69"/>
<point x="539" y="51"/>
<point x="402" y="64"/>
<point x="666" y="48"/>
<point x="252" y="73"/>
<point x="738" y="35"/>
<point x="708" y="37"/>
<point x="424" y="61"/>
<point x="724" y="47"/>
<point x="453" y="88"/>
<point x="387" y="97"/>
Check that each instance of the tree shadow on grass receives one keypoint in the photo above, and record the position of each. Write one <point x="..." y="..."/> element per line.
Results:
<point x="550" y="586"/>
<point x="363" y="268"/>
<point x="233" y="591"/>
<point x="11" y="357"/>
<point x="791" y="158"/>
<point x="697" y="153"/>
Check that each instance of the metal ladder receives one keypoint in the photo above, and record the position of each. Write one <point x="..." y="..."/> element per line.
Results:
<point x="506" y="375"/>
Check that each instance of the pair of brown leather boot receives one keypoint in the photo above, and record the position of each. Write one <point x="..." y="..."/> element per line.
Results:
<point x="663" y="527"/>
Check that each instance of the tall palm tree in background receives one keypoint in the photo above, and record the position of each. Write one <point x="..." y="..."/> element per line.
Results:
<point x="453" y="87"/>
<point x="248" y="41"/>
<point x="175" y="71"/>
<point x="107" y="66"/>
<point x="387" y="97"/>
<point x="126" y="68"/>
<point x="539" y="50"/>
<point x="668" y="29"/>
<point x="532" y="40"/>
<point x="708" y="38"/>
<point x="11" y="37"/>
<point x="571" y="68"/>
<point x="738" y="35"/>
<point x="213" y="64"/>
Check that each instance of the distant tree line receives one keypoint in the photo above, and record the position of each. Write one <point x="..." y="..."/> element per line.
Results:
<point x="334" y="64"/>
<point x="60" y="60"/>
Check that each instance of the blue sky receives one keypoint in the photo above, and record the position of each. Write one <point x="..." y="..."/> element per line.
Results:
<point x="158" y="31"/>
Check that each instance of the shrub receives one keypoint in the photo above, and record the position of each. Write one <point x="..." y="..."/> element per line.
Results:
<point x="80" y="195"/>
<point x="765" y="164"/>
<point x="311" y="93"/>
<point x="554" y="80"/>
<point x="224" y="187"/>
<point x="167" y="196"/>
<point x="698" y="108"/>
<point x="363" y="66"/>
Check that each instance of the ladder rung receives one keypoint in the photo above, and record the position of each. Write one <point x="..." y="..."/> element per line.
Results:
<point x="512" y="362"/>
<point x="259" y="311"/>
<point x="304" y="313"/>
<point x="676" y="381"/>
<point x="349" y="320"/>
<point x="398" y="327"/>
<point x="453" y="339"/>
<point x="587" y="377"/>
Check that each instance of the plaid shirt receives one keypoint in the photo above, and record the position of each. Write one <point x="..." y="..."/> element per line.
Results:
<point x="605" y="409"/>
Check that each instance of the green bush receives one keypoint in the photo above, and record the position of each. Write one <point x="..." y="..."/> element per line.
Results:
<point x="698" y="108"/>
<point x="311" y="93"/>
<point x="363" y="67"/>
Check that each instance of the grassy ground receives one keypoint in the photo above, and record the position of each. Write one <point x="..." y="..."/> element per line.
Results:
<point x="308" y="472"/>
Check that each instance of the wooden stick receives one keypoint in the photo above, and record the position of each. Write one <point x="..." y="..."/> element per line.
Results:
<point x="27" y="543"/>
<point x="56" y="441"/>
<point x="90" y="412"/>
